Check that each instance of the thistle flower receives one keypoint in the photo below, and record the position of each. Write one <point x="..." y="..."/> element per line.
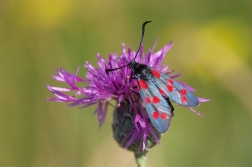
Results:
<point x="131" y="126"/>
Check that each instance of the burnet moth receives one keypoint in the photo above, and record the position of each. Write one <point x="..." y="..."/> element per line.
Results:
<point x="156" y="89"/>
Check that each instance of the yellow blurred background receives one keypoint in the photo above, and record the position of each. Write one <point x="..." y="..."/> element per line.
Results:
<point x="212" y="49"/>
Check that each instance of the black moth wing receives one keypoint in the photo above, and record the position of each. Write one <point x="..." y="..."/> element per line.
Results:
<point x="158" y="109"/>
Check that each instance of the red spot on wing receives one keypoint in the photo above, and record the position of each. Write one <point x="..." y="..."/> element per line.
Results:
<point x="155" y="73"/>
<point x="155" y="114"/>
<point x="164" y="116"/>
<point x="183" y="91"/>
<point x="155" y="99"/>
<point x="184" y="99"/>
<point x="170" y="81"/>
<point x="170" y="88"/>
<point x="147" y="100"/>
<point x="161" y="91"/>
<point x="143" y="84"/>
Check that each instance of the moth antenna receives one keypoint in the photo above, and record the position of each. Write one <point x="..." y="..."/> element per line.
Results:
<point x="141" y="41"/>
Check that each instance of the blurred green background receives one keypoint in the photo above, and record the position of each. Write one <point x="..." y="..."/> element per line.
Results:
<point x="212" y="49"/>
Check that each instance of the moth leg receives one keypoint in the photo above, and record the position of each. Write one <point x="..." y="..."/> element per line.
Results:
<point x="169" y="72"/>
<point x="172" y="108"/>
<point x="137" y="94"/>
<point x="121" y="87"/>
<point x="136" y="99"/>
<point x="133" y="87"/>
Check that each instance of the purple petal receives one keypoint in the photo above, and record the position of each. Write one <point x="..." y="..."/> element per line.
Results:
<point x="101" y="114"/>
<point x="202" y="100"/>
<point x="165" y="49"/>
<point x="61" y="96"/>
<point x="141" y="121"/>
<point x="154" y="45"/>
<point x="133" y="137"/>
<point x="59" y="89"/>
<point x="199" y="114"/>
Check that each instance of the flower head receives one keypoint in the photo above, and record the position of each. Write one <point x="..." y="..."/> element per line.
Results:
<point x="132" y="127"/>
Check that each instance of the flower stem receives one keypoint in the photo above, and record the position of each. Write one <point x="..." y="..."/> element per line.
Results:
<point x="141" y="159"/>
